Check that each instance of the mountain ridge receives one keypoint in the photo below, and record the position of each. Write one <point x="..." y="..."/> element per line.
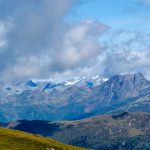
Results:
<point x="119" y="131"/>
<point x="129" y="92"/>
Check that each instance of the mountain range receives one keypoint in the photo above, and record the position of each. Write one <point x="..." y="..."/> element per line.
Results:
<point x="74" y="99"/>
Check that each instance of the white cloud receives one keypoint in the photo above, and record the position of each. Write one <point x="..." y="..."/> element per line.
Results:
<point x="27" y="67"/>
<point x="127" y="53"/>
<point x="40" y="44"/>
<point x="81" y="43"/>
<point x="36" y="43"/>
<point x="3" y="31"/>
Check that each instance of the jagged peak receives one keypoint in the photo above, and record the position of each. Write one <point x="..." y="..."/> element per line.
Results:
<point x="128" y="76"/>
<point x="139" y="75"/>
<point x="31" y="83"/>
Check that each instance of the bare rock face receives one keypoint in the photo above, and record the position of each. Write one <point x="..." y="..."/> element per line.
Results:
<point x="123" y="87"/>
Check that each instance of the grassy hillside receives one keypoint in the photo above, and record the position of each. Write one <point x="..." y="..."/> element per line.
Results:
<point x="17" y="140"/>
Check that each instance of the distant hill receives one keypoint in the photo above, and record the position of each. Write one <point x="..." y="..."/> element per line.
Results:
<point x="17" y="140"/>
<point x="121" y="131"/>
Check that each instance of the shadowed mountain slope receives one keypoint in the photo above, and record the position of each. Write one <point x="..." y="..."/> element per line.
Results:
<point x="119" y="131"/>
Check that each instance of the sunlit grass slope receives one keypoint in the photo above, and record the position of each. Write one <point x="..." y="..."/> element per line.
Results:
<point x="16" y="140"/>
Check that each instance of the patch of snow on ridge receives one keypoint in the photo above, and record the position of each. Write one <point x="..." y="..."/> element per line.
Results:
<point x="71" y="82"/>
<point x="105" y="79"/>
<point x="96" y="77"/>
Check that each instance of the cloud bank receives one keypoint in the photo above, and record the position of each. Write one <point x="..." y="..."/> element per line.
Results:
<point x="37" y="42"/>
<point x="128" y="52"/>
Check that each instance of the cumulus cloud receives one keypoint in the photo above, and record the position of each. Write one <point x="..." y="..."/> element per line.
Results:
<point x="36" y="42"/>
<point x="80" y="44"/>
<point x="39" y="43"/>
<point x="32" y="28"/>
<point x="4" y="28"/>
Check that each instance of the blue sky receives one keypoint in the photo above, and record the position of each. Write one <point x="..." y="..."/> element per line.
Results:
<point x="61" y="39"/>
<point x="127" y="14"/>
